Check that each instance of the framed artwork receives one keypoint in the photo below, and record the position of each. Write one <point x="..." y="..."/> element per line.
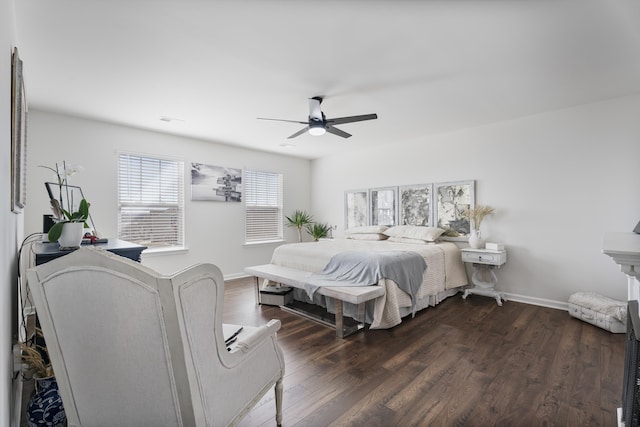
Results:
<point x="383" y="202"/>
<point x="18" y="136"/>
<point x="415" y="204"/>
<point x="215" y="183"/>
<point x="452" y="200"/>
<point x="356" y="208"/>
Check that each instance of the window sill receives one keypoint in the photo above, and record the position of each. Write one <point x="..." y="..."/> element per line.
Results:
<point x="165" y="251"/>
<point x="264" y="243"/>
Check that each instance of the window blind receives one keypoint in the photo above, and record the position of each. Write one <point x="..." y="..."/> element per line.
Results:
<point x="151" y="201"/>
<point x="263" y="206"/>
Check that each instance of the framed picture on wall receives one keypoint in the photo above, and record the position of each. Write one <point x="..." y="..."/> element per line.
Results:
<point x="216" y="183"/>
<point x="356" y="208"/>
<point x="415" y="204"/>
<point x="18" y="136"/>
<point x="452" y="200"/>
<point x="383" y="202"/>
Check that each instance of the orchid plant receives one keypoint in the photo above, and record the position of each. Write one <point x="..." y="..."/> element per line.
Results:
<point x="62" y="207"/>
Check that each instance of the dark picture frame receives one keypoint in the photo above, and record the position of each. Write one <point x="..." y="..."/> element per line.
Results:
<point x="18" y="136"/>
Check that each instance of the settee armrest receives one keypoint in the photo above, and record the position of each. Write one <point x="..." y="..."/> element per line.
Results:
<point x="258" y="335"/>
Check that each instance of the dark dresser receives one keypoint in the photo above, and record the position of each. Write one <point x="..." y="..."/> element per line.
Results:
<point x="46" y="251"/>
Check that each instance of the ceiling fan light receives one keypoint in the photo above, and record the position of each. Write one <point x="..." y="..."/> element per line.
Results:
<point x="317" y="129"/>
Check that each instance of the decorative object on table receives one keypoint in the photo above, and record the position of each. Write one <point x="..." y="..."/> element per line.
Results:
<point x="18" y="136"/>
<point x="475" y="217"/>
<point x="67" y="210"/>
<point x="45" y="407"/>
<point x="216" y="183"/>
<point x="318" y="231"/>
<point x="451" y="201"/>
<point x="298" y="220"/>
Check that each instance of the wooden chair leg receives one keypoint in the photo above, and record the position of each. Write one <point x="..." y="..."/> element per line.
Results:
<point x="279" y="391"/>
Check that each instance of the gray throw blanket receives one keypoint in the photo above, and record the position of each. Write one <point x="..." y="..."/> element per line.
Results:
<point x="354" y="268"/>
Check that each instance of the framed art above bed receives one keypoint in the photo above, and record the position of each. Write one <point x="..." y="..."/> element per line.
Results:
<point x="452" y="201"/>
<point x="383" y="206"/>
<point x="440" y="204"/>
<point x="356" y="208"/>
<point x="415" y="204"/>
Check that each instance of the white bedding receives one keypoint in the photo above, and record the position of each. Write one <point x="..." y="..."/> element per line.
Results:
<point x="445" y="272"/>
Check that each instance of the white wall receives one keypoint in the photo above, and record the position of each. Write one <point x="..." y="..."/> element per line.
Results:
<point x="558" y="181"/>
<point x="214" y="230"/>
<point x="10" y="223"/>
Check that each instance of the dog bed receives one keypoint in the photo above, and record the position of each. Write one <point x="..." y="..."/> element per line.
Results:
<point x="603" y="312"/>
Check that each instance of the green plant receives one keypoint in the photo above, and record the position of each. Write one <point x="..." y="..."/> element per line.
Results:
<point x="318" y="231"/>
<point x="63" y="212"/>
<point x="299" y="219"/>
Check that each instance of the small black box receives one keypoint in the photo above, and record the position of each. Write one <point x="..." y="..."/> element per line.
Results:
<point x="276" y="295"/>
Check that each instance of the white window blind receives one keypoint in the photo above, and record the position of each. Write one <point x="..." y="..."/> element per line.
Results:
<point x="263" y="203"/>
<point x="151" y="201"/>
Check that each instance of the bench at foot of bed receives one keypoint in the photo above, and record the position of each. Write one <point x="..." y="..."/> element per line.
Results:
<point x="358" y="295"/>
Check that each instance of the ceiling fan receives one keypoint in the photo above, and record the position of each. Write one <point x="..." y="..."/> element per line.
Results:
<point x="318" y="124"/>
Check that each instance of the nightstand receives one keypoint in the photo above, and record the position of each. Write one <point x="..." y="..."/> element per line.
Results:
<point x="484" y="278"/>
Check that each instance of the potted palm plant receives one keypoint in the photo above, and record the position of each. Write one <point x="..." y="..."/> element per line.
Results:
<point x="318" y="231"/>
<point x="298" y="220"/>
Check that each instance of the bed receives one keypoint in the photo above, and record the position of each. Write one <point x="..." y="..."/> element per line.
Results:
<point x="445" y="274"/>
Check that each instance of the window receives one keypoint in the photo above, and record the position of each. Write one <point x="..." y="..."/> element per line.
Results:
<point x="151" y="201"/>
<point x="263" y="202"/>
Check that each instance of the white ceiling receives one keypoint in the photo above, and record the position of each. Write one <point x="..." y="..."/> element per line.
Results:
<point x="425" y="67"/>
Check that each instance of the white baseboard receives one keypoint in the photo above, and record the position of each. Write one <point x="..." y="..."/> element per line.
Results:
<point x="235" y="276"/>
<point x="559" y="305"/>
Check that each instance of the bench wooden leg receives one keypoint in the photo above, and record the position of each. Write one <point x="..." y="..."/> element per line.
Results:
<point x="339" y="319"/>
<point x="257" y="291"/>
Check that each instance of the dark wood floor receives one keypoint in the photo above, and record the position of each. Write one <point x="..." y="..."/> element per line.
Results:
<point x="462" y="363"/>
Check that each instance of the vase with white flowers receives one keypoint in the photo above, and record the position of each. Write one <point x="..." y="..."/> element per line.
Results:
<point x="475" y="217"/>
<point x="70" y="216"/>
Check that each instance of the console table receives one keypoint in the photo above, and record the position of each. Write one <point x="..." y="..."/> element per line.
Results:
<point x="484" y="261"/>
<point x="46" y="251"/>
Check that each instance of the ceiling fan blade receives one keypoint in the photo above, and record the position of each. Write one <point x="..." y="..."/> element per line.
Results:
<point x="282" y="120"/>
<point x="351" y="119"/>
<point x="314" y="108"/>
<point x="337" y="131"/>
<point x="300" y="132"/>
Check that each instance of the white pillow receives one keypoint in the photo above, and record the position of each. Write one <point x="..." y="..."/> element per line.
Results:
<point x="409" y="240"/>
<point x="368" y="236"/>
<point x="367" y="229"/>
<point x="430" y="234"/>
